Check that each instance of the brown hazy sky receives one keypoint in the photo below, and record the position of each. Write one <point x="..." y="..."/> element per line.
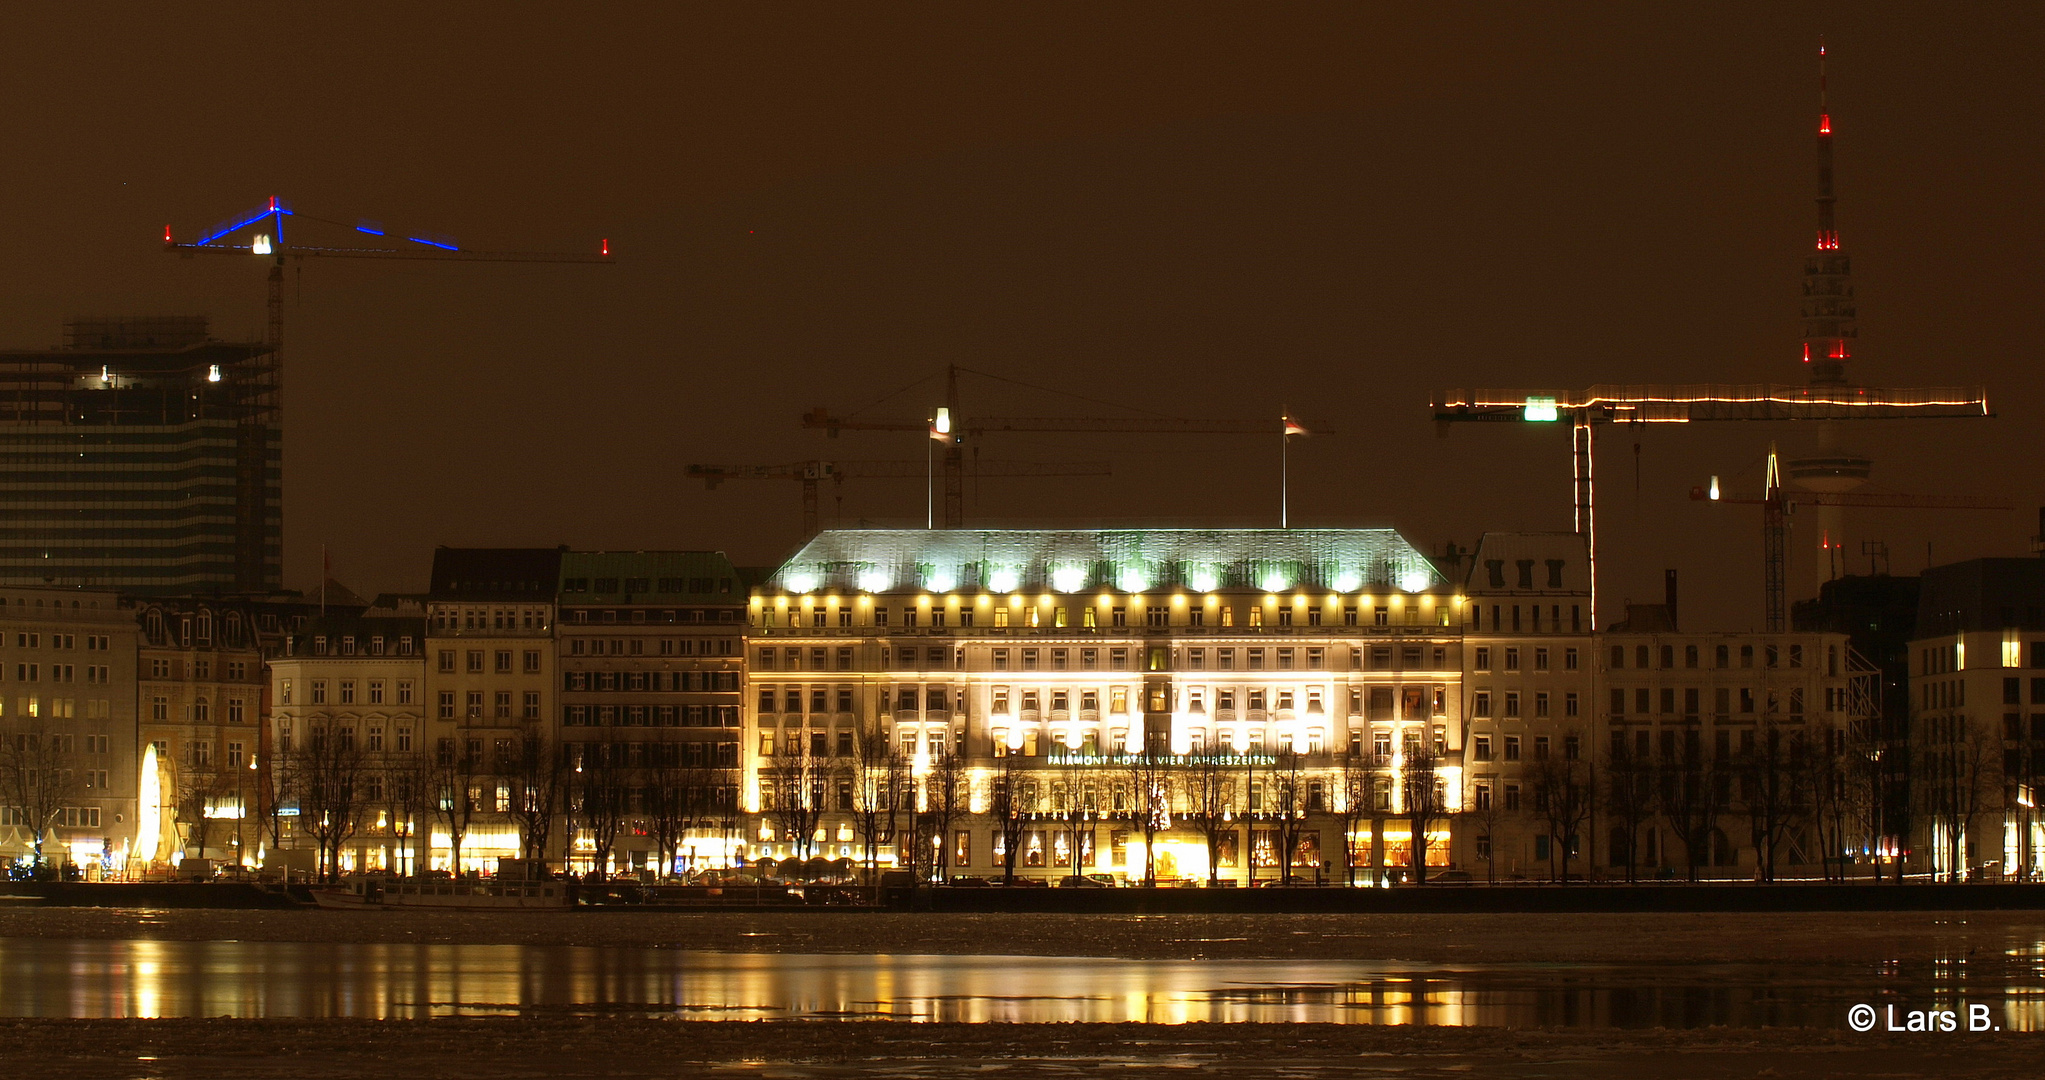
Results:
<point x="1198" y="210"/>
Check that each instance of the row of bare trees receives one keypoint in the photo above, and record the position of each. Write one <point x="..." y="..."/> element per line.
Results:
<point x="596" y="789"/>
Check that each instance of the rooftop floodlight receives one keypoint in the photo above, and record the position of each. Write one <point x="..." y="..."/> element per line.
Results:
<point x="1068" y="579"/>
<point x="261" y="244"/>
<point x="874" y="581"/>
<point x="1132" y="580"/>
<point x="1004" y="580"/>
<point x="1414" y="580"/>
<point x="941" y="581"/>
<point x="1275" y="581"/>
<point x="1205" y="580"/>
<point x="213" y="373"/>
<point x="1714" y="489"/>
<point x="1347" y="581"/>
<point x="802" y="582"/>
<point x="1541" y="409"/>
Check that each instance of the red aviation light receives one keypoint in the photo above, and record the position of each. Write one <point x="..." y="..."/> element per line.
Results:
<point x="1807" y="352"/>
<point x="1839" y="349"/>
<point x="1824" y="123"/>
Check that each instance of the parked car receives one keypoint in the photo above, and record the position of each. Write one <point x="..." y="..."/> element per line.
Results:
<point x="1086" y="881"/>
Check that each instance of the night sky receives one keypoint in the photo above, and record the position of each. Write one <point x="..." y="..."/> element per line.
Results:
<point x="1215" y="213"/>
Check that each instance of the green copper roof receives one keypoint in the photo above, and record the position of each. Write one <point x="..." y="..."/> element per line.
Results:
<point x="1129" y="560"/>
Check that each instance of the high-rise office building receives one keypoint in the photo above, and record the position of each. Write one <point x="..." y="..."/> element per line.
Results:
<point x="143" y="456"/>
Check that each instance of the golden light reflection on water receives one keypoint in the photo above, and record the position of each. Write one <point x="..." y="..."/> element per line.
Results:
<point x="147" y="978"/>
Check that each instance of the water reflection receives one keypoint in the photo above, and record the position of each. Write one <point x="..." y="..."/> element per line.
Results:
<point x="269" y="979"/>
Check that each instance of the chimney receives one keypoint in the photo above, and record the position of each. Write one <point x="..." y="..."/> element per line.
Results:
<point x="1669" y="585"/>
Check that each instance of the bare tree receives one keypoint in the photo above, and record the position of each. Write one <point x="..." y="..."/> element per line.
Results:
<point x="1694" y="789"/>
<point x="1285" y="806"/>
<point x="1213" y="805"/>
<point x="536" y="772"/>
<point x="668" y="802"/>
<point x="1152" y="780"/>
<point x="199" y="789"/>
<point x="37" y="780"/>
<point x="329" y="771"/>
<point x="1956" y="767"/>
<point x="947" y="800"/>
<point x="604" y="801"/>
<point x="407" y="800"/>
<point x="1070" y="805"/>
<point x="796" y="806"/>
<point x="1629" y="798"/>
<point x="1011" y="800"/>
<point x="1426" y="801"/>
<point x="456" y="772"/>
<point x="1360" y="771"/>
<point x="876" y="771"/>
<point x="1565" y="795"/>
<point x="1772" y="789"/>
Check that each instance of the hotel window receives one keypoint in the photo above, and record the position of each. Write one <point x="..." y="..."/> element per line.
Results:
<point x="1060" y="659"/>
<point x="1480" y="747"/>
<point x="1196" y="617"/>
<point x="1225" y="659"/>
<point x="1512" y="748"/>
<point x="319" y="691"/>
<point x="1689" y="656"/>
<point x="1317" y="659"/>
<point x="1029" y="659"/>
<point x="1285" y="659"/>
<point x="1196" y="659"/>
<point x="1512" y="704"/>
<point x="1540" y="659"/>
<point x="1001" y="659"/>
<point x="1618" y="657"/>
<point x="347" y="692"/>
<point x="1480" y="703"/>
<point x="1256" y="659"/>
<point x="1285" y="616"/>
<point x="1483" y="660"/>
<point x="1668" y="657"/>
<point x="475" y="661"/>
<point x="1090" y="659"/>
<point x="1118" y="659"/>
<point x="844" y="699"/>
<point x="447" y="704"/>
<point x="376" y="691"/>
<point x="1541" y="704"/>
<point x="1512" y="659"/>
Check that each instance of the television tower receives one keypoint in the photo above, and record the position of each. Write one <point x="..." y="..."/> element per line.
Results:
<point x="1829" y="334"/>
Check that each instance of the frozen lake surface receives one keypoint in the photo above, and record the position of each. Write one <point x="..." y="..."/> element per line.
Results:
<point x="82" y="978"/>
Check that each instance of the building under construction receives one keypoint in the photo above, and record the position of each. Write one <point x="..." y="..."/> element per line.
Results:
<point x="141" y="455"/>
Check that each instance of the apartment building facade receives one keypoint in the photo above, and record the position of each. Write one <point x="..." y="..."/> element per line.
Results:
<point x="1530" y="682"/>
<point x="651" y="661"/>
<point x="490" y="682"/>
<point x="348" y="734"/>
<point x="1977" y="721"/>
<point x="67" y="730"/>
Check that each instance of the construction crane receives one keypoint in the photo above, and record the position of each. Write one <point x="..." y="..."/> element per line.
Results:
<point x="813" y="473"/>
<point x="260" y="233"/>
<point x="1775" y="503"/>
<point x="1600" y="405"/>
<point x="951" y="427"/>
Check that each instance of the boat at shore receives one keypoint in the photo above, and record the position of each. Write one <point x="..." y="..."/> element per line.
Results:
<point x="369" y="893"/>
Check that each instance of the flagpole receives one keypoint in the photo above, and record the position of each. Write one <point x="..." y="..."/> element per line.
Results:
<point x="1284" y="473"/>
<point x="929" y="481"/>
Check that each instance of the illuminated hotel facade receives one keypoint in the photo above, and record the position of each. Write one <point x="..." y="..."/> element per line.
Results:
<point x="1311" y="668"/>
